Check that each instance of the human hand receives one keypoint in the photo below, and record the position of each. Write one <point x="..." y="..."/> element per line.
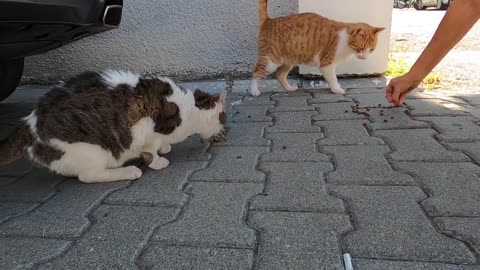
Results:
<point x="398" y="88"/>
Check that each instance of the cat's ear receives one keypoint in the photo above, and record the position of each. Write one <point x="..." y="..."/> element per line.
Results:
<point x="223" y="97"/>
<point x="359" y="32"/>
<point x="377" y="30"/>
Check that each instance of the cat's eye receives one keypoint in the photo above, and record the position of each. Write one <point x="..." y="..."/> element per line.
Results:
<point x="371" y="50"/>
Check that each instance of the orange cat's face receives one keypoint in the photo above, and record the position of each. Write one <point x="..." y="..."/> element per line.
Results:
<point x="363" y="39"/>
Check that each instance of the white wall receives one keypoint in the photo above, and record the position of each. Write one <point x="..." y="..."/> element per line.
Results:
<point x="186" y="39"/>
<point x="375" y="12"/>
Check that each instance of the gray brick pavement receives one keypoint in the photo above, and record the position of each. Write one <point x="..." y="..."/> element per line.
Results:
<point x="336" y="111"/>
<point x="305" y="185"/>
<point x="213" y="222"/>
<point x="293" y="122"/>
<point x="299" y="240"/>
<point x="417" y="145"/>
<point x="446" y="197"/>
<point x="298" y="182"/>
<point x="346" y="132"/>
<point x="63" y="215"/>
<point x="232" y="164"/>
<point x="363" y="165"/>
<point x="162" y="188"/>
<point x="294" y="147"/>
<point x="185" y="257"/>
<point x="114" y="240"/>
<point x="390" y="220"/>
<point x="454" y="128"/>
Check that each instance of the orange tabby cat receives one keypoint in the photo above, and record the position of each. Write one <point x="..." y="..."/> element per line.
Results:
<point x="309" y="39"/>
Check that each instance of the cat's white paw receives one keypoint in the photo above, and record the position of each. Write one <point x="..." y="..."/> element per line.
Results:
<point x="338" y="90"/>
<point x="132" y="173"/>
<point x="254" y="89"/>
<point x="159" y="163"/>
<point x="165" y="149"/>
<point x="255" y="92"/>
<point x="292" y="88"/>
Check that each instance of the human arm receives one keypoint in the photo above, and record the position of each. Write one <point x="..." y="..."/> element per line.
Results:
<point x="458" y="20"/>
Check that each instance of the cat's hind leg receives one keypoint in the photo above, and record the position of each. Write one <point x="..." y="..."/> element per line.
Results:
<point x="264" y="67"/>
<point x="282" y="76"/>
<point x="331" y="78"/>
<point x="110" y="175"/>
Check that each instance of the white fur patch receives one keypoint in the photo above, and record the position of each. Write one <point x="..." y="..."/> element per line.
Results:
<point x="31" y="121"/>
<point x="116" y="77"/>
<point x="343" y="52"/>
<point x="271" y="67"/>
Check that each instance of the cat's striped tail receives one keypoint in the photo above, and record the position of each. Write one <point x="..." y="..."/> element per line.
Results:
<point x="12" y="147"/>
<point x="262" y="12"/>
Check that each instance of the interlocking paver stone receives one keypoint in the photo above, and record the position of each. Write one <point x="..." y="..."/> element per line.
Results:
<point x="36" y="186"/>
<point x="294" y="147"/>
<point x="465" y="228"/>
<point x="471" y="148"/>
<point x="252" y="113"/>
<point x="370" y="100"/>
<point x="16" y="169"/>
<point x="5" y="180"/>
<point x="295" y="186"/>
<point x="184" y="257"/>
<point x="162" y="187"/>
<point x="454" y="188"/>
<point x="454" y="128"/>
<point x="232" y="164"/>
<point x="325" y="96"/>
<point x="291" y="103"/>
<point x="367" y="264"/>
<point x="394" y="225"/>
<point x="336" y="111"/>
<point x="364" y="165"/>
<point x="293" y="122"/>
<point x="12" y="209"/>
<point x="434" y="107"/>
<point x="299" y="240"/>
<point x="393" y="118"/>
<point x="217" y="222"/>
<point x="115" y="239"/>
<point x="24" y="253"/>
<point x="370" y="90"/>
<point x="346" y="132"/>
<point x="248" y="134"/>
<point x="192" y="149"/>
<point x="417" y="145"/>
<point x="266" y="85"/>
<point x="472" y="99"/>
<point x="54" y="219"/>
<point x="260" y="100"/>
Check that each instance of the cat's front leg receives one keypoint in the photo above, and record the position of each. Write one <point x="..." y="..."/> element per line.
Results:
<point x="331" y="78"/>
<point x="154" y="161"/>
<point x="165" y="149"/>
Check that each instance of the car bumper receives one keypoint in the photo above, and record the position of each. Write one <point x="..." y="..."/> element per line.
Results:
<point x="30" y="27"/>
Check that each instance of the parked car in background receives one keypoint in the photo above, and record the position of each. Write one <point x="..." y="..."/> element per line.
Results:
<point x="439" y="4"/>
<point x="30" y="27"/>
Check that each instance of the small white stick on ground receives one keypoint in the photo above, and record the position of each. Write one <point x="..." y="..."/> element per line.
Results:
<point x="347" y="260"/>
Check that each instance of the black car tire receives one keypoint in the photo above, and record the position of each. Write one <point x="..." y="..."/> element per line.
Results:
<point x="442" y="6"/>
<point x="419" y="5"/>
<point x="10" y="74"/>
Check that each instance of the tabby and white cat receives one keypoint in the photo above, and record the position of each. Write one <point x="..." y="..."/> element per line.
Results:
<point x="308" y="39"/>
<point x="92" y="124"/>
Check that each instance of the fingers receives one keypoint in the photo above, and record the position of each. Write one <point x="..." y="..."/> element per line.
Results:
<point x="403" y="96"/>
<point x="389" y="92"/>
<point x="396" y="95"/>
